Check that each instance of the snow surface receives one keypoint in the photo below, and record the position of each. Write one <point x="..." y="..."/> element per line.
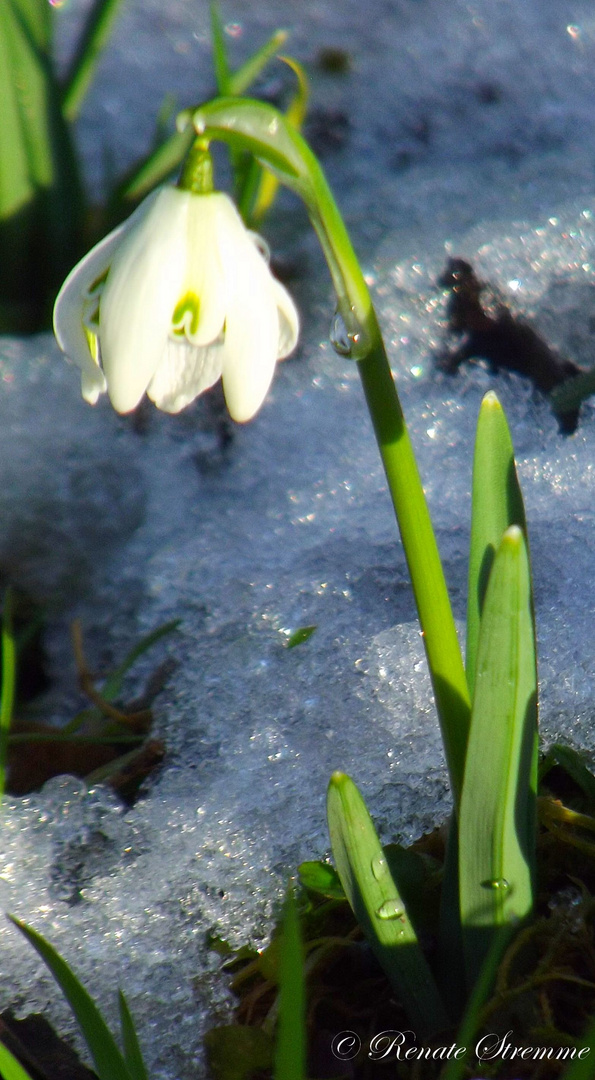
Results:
<point x="470" y="132"/>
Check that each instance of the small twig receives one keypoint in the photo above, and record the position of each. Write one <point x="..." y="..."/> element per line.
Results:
<point x="138" y="721"/>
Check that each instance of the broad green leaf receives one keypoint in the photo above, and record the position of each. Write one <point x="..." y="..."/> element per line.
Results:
<point x="8" y="682"/>
<point x="418" y="877"/>
<point x="378" y="906"/>
<point x="108" y="1061"/>
<point x="94" y="37"/>
<point x="132" y="1050"/>
<point x="321" y="878"/>
<point x="238" y="1052"/>
<point x="497" y="813"/>
<point x="496" y="503"/>
<point x="40" y="194"/>
<point x="10" y="1068"/>
<point x="290" y="1044"/>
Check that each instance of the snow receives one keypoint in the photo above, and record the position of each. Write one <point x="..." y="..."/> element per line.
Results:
<point x="474" y="141"/>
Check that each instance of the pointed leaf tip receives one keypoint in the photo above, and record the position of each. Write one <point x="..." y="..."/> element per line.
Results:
<point x="491" y="398"/>
<point x="513" y="536"/>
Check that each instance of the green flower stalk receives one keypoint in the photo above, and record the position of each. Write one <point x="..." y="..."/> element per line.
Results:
<point x="260" y="129"/>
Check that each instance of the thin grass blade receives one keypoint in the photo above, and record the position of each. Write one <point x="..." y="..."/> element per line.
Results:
<point x="497" y="502"/>
<point x="10" y="1068"/>
<point x="378" y="905"/>
<point x="266" y="191"/>
<point x="108" y="1061"/>
<point x="220" y="61"/>
<point x="132" y="1051"/>
<point x="242" y="79"/>
<point x="497" y="812"/>
<point x="94" y="38"/>
<point x="152" y="170"/>
<point x="113" y="683"/>
<point x="290" y="1048"/>
<point x="8" y="683"/>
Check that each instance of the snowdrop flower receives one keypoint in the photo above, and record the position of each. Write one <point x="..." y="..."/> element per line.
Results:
<point x="178" y="296"/>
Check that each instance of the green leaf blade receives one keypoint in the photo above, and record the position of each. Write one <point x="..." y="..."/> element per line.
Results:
<point x="378" y="905"/>
<point x="132" y="1051"/>
<point x="108" y="1061"/>
<point x="497" y="503"/>
<point x="94" y="38"/>
<point x="7" y="695"/>
<point x="497" y="812"/>
<point x="321" y="878"/>
<point x="290" y="1049"/>
<point x="10" y="1068"/>
<point x="242" y="79"/>
<point x="220" y="61"/>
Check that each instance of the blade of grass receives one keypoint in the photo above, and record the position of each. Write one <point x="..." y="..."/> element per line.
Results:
<point x="497" y="812"/>
<point x="8" y="682"/>
<point x="290" y="1047"/>
<point x="146" y="175"/>
<point x="132" y="1050"/>
<point x="94" y="37"/>
<point x="378" y="907"/>
<point x="242" y="79"/>
<point x="261" y="196"/>
<point x="108" y="1061"/>
<point x="220" y="61"/>
<point x="113" y="684"/>
<point x="497" y="502"/>
<point x="10" y="1068"/>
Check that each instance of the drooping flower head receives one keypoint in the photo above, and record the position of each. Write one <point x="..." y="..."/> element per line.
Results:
<point x="176" y="297"/>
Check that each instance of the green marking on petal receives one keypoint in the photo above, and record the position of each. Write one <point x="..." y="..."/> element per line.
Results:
<point x="99" y="281"/>
<point x="186" y="315"/>
<point x="92" y="342"/>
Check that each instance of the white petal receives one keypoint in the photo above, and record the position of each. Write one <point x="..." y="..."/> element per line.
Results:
<point x="289" y="322"/>
<point x="139" y="296"/>
<point x="252" y="323"/>
<point x="69" y="312"/>
<point x="204" y="275"/>
<point x="184" y="372"/>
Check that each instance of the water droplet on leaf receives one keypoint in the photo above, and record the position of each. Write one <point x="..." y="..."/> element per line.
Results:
<point x="390" y="909"/>
<point x="496" y="884"/>
<point x="379" y="867"/>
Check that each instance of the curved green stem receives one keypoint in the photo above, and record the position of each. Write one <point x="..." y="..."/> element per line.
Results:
<point x="261" y="129"/>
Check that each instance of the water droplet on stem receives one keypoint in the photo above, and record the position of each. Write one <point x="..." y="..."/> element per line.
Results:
<point x="391" y="909"/>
